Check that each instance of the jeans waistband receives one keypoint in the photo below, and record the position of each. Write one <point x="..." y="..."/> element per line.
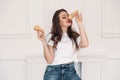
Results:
<point x="63" y="65"/>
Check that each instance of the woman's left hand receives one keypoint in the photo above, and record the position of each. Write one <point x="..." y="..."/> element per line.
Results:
<point x="78" y="17"/>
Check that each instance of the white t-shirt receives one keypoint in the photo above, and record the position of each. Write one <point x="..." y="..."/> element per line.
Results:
<point x="65" y="52"/>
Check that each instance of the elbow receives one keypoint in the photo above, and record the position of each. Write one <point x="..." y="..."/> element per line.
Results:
<point x="49" y="61"/>
<point x="84" y="45"/>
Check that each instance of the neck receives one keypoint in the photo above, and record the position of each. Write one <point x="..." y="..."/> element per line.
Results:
<point x="64" y="29"/>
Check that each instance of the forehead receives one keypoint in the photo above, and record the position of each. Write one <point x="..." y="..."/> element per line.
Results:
<point x="63" y="13"/>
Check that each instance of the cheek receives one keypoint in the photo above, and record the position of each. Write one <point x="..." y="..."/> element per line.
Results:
<point x="62" y="22"/>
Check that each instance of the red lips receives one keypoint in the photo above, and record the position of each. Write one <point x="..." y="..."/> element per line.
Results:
<point x="69" y="21"/>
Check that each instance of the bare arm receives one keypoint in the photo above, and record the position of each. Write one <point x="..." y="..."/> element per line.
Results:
<point x="83" y="36"/>
<point x="48" y="50"/>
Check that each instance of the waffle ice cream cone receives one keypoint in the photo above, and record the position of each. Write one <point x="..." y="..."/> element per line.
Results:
<point x="72" y="15"/>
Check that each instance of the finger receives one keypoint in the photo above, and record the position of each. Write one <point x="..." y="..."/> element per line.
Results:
<point x="77" y="15"/>
<point x="80" y="14"/>
<point x="40" y="37"/>
<point x="39" y="33"/>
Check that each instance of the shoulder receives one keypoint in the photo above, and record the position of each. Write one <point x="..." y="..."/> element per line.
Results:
<point x="49" y="35"/>
<point x="48" y="39"/>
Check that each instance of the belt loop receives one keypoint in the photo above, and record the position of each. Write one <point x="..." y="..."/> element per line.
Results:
<point x="71" y="64"/>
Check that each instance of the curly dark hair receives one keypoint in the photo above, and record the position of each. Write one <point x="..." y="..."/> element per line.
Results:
<point x="56" y="30"/>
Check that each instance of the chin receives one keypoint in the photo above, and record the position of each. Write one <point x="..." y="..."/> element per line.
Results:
<point x="69" y="25"/>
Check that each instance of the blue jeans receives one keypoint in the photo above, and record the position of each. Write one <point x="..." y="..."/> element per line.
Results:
<point x="61" y="72"/>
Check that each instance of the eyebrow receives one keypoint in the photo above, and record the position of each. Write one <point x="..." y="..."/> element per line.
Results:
<point x="64" y="15"/>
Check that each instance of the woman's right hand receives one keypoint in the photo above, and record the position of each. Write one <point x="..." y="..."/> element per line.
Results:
<point x="41" y="36"/>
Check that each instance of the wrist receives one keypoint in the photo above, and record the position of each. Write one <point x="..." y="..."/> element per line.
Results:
<point x="80" y="23"/>
<point x="44" y="41"/>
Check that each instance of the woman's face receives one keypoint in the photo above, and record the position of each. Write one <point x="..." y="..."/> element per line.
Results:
<point x="64" y="20"/>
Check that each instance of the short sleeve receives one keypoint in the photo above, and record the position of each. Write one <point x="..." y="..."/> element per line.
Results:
<point x="48" y="39"/>
<point x="78" y="40"/>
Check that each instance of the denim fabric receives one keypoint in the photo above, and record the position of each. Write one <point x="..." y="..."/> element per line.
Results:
<point x="61" y="72"/>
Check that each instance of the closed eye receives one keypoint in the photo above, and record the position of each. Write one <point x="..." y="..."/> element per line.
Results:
<point x="64" y="17"/>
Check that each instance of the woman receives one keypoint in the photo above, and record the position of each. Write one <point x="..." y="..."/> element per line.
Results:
<point x="61" y="44"/>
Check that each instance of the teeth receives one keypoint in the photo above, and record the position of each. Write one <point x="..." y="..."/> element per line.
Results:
<point x="38" y="28"/>
<point x="72" y="15"/>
